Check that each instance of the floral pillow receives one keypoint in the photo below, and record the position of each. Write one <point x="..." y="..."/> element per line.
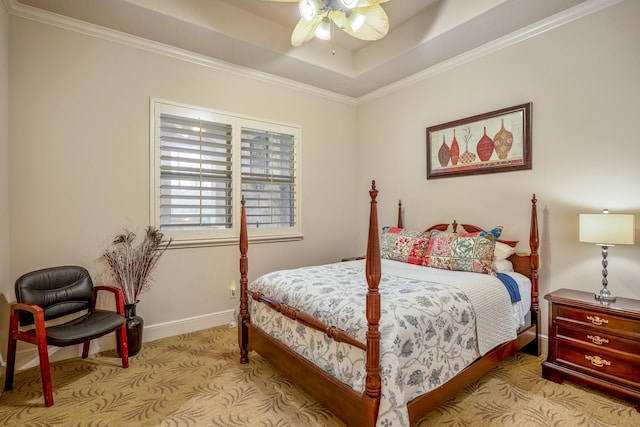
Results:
<point x="403" y="245"/>
<point x="463" y="251"/>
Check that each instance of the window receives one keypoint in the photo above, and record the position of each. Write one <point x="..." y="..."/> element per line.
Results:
<point x="268" y="178"/>
<point x="204" y="162"/>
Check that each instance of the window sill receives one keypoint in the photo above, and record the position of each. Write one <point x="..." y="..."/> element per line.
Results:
<point x="232" y="241"/>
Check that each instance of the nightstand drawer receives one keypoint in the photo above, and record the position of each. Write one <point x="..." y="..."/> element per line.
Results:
<point x="598" y="338"/>
<point x="624" y="369"/>
<point x="593" y="320"/>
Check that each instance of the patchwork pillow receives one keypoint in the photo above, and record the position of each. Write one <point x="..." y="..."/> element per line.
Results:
<point x="463" y="251"/>
<point x="403" y="245"/>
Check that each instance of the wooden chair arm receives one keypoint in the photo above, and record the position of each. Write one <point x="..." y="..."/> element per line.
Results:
<point x="117" y="292"/>
<point x="33" y="335"/>
<point x="31" y="308"/>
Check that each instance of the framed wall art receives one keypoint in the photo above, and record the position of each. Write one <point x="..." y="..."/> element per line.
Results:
<point x="498" y="141"/>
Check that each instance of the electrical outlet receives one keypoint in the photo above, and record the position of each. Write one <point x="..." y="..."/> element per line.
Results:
<point x="232" y="290"/>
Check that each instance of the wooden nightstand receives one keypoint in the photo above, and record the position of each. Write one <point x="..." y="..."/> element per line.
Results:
<point x="593" y="344"/>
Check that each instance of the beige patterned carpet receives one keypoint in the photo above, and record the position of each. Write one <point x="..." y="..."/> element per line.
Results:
<point x="196" y="380"/>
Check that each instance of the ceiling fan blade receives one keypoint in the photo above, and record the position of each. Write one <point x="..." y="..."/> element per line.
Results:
<point x="364" y="3"/>
<point x="340" y="19"/>
<point x="375" y="27"/>
<point x="303" y="32"/>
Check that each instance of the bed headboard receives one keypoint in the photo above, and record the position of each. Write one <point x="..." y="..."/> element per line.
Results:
<point x="526" y="264"/>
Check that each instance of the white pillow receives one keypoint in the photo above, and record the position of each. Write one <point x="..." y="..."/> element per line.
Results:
<point x="502" y="266"/>
<point x="503" y="251"/>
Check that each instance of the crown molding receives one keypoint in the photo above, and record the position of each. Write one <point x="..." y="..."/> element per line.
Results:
<point x="23" y="11"/>
<point x="555" y="21"/>
<point x="583" y="9"/>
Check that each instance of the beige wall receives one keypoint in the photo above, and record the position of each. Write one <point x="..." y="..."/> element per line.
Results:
<point x="583" y="81"/>
<point x="5" y="284"/>
<point x="80" y="164"/>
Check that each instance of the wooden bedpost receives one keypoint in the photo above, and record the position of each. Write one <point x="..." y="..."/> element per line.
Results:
<point x="373" y="272"/>
<point x="534" y="244"/>
<point x="400" y="224"/>
<point x="243" y="317"/>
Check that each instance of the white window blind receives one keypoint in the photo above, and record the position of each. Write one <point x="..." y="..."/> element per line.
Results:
<point x="204" y="162"/>
<point x="269" y="178"/>
<point x="195" y="173"/>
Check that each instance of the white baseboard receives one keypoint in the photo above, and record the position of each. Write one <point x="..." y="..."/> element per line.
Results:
<point x="544" y="340"/>
<point x="27" y="355"/>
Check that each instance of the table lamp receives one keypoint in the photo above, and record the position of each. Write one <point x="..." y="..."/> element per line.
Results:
<point x="607" y="230"/>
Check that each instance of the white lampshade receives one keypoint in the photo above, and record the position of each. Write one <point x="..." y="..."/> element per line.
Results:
<point x="607" y="229"/>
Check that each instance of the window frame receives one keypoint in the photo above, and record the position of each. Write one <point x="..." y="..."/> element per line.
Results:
<point x="228" y="236"/>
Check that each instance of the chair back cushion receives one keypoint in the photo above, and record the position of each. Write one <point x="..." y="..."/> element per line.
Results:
<point x="59" y="291"/>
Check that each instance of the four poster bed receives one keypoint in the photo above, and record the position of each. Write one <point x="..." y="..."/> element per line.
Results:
<point x="358" y="345"/>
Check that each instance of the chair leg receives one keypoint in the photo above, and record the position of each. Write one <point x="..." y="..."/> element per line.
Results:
<point x="45" y="368"/>
<point x="85" y="349"/>
<point x="11" y="352"/>
<point x="123" y="347"/>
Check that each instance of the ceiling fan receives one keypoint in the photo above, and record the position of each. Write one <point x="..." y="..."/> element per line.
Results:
<point x="363" y="19"/>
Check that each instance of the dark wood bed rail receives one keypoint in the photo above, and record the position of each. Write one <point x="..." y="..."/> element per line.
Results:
<point x="292" y="313"/>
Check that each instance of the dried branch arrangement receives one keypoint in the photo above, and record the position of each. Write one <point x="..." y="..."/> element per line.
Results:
<point x="131" y="264"/>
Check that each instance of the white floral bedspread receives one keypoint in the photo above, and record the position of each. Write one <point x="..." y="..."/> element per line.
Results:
<point x="428" y="328"/>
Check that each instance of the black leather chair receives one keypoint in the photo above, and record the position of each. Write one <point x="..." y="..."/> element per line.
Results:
<point x="52" y="293"/>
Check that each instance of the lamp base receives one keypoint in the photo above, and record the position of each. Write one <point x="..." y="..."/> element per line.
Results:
<point x="604" y="296"/>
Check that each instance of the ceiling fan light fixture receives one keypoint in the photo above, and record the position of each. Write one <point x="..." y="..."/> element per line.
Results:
<point x="362" y="19"/>
<point x="323" y="30"/>
<point x="308" y="9"/>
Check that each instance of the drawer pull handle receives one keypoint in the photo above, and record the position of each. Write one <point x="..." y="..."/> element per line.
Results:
<point x="597" y="361"/>
<point x="598" y="340"/>
<point x="597" y="320"/>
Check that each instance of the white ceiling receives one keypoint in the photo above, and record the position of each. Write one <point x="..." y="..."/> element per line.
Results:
<point x="256" y="34"/>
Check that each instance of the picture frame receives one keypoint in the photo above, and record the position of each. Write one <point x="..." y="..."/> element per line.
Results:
<point x="498" y="141"/>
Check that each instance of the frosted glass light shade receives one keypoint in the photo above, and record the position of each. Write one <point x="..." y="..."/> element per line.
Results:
<point x="323" y="30"/>
<point x="356" y="21"/>
<point x="308" y="9"/>
<point x="607" y="229"/>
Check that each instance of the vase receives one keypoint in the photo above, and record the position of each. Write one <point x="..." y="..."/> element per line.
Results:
<point x="444" y="154"/>
<point x="455" y="150"/>
<point x="135" y="325"/>
<point x="485" y="147"/>
<point x="502" y="142"/>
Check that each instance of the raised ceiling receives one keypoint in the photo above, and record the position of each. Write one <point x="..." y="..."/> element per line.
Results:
<point x="255" y="34"/>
